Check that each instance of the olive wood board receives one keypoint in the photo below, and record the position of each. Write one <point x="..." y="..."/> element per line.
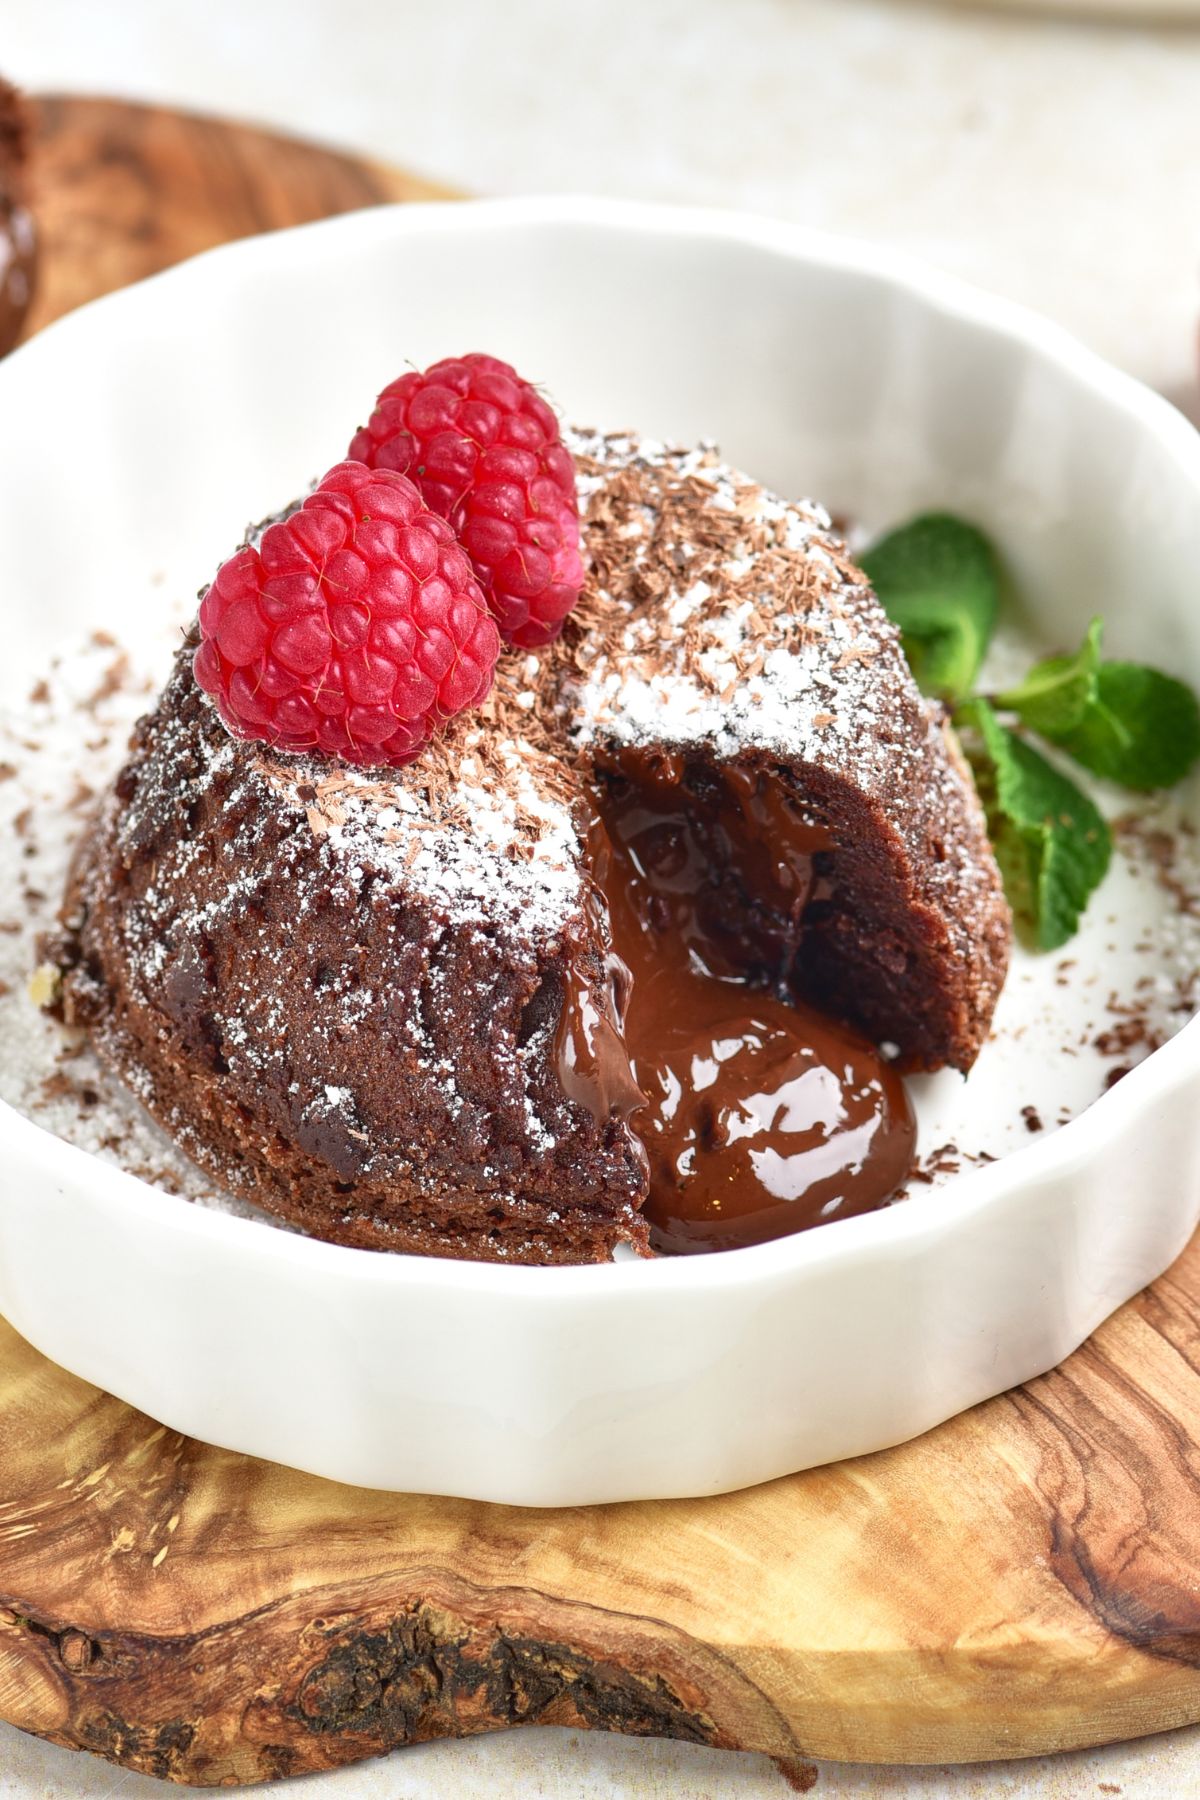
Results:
<point x="1024" y="1579"/>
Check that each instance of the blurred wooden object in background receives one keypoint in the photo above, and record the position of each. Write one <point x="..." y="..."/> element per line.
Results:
<point x="122" y="191"/>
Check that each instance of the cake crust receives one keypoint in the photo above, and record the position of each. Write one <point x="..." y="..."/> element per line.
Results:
<point x="341" y="991"/>
<point x="260" y="954"/>
<point x="723" y="621"/>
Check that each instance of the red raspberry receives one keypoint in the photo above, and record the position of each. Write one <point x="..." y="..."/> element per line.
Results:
<point x="485" y="451"/>
<point x="355" y="627"/>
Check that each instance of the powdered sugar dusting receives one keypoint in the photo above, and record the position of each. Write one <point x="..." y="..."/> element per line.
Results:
<point x="719" y="615"/>
<point x="753" y="631"/>
<point x="497" y="843"/>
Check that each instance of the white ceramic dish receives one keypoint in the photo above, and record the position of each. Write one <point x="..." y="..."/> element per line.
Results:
<point x="209" y="395"/>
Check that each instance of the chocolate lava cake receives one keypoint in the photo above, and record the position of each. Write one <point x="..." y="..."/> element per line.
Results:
<point x="385" y="1006"/>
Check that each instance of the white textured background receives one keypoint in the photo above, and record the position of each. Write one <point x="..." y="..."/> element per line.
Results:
<point x="1054" y="160"/>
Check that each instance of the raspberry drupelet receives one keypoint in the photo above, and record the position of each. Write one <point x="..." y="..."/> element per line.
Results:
<point x="485" y="450"/>
<point x="354" y="627"/>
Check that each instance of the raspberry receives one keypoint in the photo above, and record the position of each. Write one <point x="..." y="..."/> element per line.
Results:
<point x="355" y="627"/>
<point x="485" y="451"/>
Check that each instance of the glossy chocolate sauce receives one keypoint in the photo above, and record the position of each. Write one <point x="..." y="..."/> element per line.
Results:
<point x="759" y="1117"/>
<point x="592" y="1056"/>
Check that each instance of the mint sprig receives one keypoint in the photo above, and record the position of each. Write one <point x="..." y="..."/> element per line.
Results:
<point x="1142" y="729"/>
<point x="1051" y="843"/>
<point x="1058" y="692"/>
<point x="1125" y="721"/>
<point x="938" y="580"/>
<point x="943" y="591"/>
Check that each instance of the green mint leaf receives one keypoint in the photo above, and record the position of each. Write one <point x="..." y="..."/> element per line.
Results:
<point x="936" y="577"/>
<point x="1131" y="723"/>
<point x="1051" y="844"/>
<point x="1056" y="694"/>
<point x="1142" y="728"/>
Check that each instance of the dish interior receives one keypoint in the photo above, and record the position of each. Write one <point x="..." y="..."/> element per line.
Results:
<point x="851" y="408"/>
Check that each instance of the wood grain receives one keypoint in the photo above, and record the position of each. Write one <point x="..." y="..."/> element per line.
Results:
<point x="1026" y="1578"/>
<point x="122" y="191"/>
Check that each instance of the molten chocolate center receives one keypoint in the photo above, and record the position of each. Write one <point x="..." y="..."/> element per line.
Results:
<point x="760" y="1117"/>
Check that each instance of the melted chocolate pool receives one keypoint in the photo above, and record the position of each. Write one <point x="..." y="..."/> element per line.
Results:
<point x="759" y="1116"/>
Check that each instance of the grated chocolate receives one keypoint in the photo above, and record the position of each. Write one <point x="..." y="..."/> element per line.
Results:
<point x="340" y="990"/>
